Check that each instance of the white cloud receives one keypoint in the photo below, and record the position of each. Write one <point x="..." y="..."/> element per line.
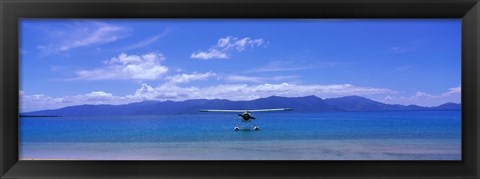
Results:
<point x="135" y="67"/>
<point x="82" y="34"/>
<point x="103" y="34"/>
<point x="291" y="65"/>
<point x="423" y="94"/>
<point x="256" y="79"/>
<point x="453" y="91"/>
<point x="239" y="78"/>
<point x="99" y="96"/>
<point x="239" y="44"/>
<point x="397" y="49"/>
<point x="185" y="78"/>
<point x="38" y="102"/>
<point x="226" y="45"/>
<point x="426" y="99"/>
<point x="146" y="92"/>
<point x="147" y="41"/>
<point x="210" y="54"/>
<point x="407" y="46"/>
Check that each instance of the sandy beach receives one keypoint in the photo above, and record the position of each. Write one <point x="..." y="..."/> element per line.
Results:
<point x="249" y="150"/>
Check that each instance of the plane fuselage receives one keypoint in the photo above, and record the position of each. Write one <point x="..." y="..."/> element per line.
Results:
<point x="246" y="116"/>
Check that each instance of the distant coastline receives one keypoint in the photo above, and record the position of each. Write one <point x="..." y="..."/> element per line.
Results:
<point x="300" y="104"/>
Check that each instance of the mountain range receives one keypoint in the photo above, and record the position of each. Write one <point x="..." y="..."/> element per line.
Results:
<point x="299" y="104"/>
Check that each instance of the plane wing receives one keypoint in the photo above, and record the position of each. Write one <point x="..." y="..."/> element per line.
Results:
<point x="248" y="110"/>
<point x="219" y="110"/>
<point x="270" y="110"/>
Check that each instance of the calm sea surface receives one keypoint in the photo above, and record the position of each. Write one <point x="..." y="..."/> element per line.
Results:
<point x="438" y="131"/>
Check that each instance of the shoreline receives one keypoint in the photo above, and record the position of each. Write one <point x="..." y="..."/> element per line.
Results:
<point x="361" y="149"/>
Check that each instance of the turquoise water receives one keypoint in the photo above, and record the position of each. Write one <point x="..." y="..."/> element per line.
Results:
<point x="438" y="131"/>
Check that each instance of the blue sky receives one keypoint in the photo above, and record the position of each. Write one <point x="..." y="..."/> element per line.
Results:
<point x="104" y="61"/>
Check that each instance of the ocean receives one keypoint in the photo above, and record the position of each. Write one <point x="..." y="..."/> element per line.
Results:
<point x="399" y="135"/>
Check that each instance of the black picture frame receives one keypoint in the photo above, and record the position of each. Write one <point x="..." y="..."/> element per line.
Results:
<point x="12" y="10"/>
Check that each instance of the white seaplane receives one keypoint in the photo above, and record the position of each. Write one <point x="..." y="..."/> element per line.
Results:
<point x="245" y="115"/>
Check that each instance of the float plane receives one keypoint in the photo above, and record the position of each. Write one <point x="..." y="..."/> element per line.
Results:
<point x="245" y="115"/>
